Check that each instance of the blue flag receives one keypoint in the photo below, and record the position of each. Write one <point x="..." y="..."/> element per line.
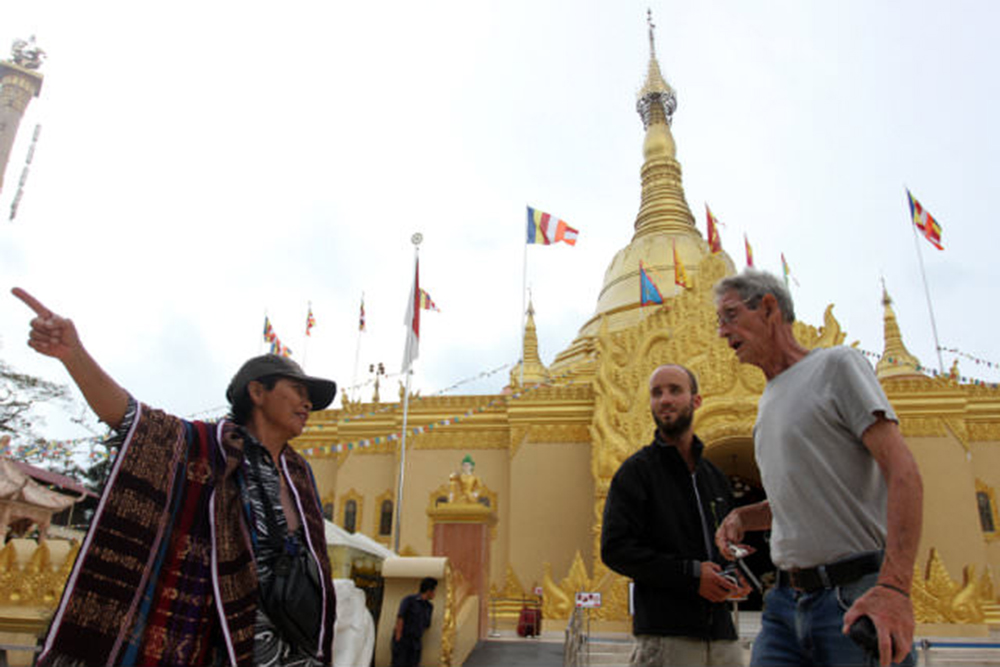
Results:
<point x="648" y="292"/>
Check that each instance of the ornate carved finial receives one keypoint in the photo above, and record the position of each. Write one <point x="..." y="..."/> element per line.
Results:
<point x="652" y="40"/>
<point x="27" y="54"/>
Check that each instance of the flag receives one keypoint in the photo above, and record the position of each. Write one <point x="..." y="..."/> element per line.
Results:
<point x="714" y="242"/>
<point x="310" y="321"/>
<point x="680" y="275"/>
<point x="925" y="222"/>
<point x="361" y="318"/>
<point x="268" y="330"/>
<point x="545" y="229"/>
<point x="648" y="292"/>
<point x="426" y="302"/>
<point x="746" y="242"/>
<point x="412" y="321"/>
<point x="280" y="349"/>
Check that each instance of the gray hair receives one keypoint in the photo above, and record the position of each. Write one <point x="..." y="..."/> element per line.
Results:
<point x="752" y="285"/>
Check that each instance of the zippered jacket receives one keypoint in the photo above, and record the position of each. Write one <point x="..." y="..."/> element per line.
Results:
<point x="654" y="533"/>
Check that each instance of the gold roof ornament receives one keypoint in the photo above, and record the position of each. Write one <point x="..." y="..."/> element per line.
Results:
<point x="534" y="370"/>
<point x="896" y="360"/>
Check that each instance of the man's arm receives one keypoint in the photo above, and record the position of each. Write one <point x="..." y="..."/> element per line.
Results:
<point x="55" y="336"/>
<point x="738" y="522"/>
<point x="888" y="603"/>
<point x="398" y="634"/>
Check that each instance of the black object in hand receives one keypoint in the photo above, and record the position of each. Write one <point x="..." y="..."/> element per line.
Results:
<point x="864" y="634"/>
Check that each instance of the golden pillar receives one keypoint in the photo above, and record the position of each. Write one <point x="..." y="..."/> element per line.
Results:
<point x="17" y="86"/>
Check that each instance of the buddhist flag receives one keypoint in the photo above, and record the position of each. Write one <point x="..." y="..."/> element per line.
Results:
<point x="680" y="275"/>
<point x="787" y="271"/>
<point x="714" y="242"/>
<point x="746" y="242"/>
<point x="412" y="321"/>
<point x="925" y="222"/>
<point x="361" y="317"/>
<point x="268" y="330"/>
<point x="546" y="229"/>
<point x="648" y="292"/>
<point x="426" y="302"/>
<point x="310" y="321"/>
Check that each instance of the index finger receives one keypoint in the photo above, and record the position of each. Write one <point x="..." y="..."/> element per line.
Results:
<point x="31" y="302"/>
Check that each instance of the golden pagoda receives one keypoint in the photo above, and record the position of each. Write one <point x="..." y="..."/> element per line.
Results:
<point x="546" y="448"/>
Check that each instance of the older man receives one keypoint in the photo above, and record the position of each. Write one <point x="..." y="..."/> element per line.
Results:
<point x="198" y="527"/>
<point x="663" y="506"/>
<point x="844" y="492"/>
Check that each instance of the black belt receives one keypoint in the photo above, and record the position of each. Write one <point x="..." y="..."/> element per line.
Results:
<point x="832" y="574"/>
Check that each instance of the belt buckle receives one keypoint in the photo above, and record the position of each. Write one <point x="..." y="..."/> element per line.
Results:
<point x="824" y="576"/>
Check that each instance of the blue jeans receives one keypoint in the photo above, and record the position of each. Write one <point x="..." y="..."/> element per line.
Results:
<point x="799" y="628"/>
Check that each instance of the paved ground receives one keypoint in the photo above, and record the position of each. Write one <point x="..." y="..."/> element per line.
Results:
<point x="527" y="653"/>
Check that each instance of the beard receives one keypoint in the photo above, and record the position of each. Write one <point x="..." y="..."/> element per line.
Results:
<point x="680" y="424"/>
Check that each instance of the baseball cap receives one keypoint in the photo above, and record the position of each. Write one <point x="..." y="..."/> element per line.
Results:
<point x="321" y="392"/>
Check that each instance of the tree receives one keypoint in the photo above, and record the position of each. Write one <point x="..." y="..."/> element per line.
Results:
<point x="20" y="394"/>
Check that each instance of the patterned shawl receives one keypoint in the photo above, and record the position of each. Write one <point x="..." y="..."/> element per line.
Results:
<point x="168" y="554"/>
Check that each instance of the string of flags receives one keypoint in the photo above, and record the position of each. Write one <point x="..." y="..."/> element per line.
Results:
<point x="933" y="371"/>
<point x="976" y="360"/>
<point x="390" y="406"/>
<point x="24" y="172"/>
<point x="417" y="430"/>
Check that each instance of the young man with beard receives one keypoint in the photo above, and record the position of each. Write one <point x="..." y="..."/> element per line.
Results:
<point x="663" y="507"/>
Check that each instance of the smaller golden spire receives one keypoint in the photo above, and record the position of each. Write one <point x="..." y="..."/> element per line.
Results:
<point x="534" y="370"/>
<point x="896" y="360"/>
<point x="656" y="100"/>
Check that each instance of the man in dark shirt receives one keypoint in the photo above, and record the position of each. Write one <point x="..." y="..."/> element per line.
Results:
<point x="663" y="507"/>
<point x="413" y="619"/>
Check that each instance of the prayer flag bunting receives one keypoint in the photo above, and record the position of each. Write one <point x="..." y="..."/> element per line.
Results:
<point x="545" y="229"/>
<point x="925" y="222"/>
<point x="714" y="242"/>
<point x="648" y="292"/>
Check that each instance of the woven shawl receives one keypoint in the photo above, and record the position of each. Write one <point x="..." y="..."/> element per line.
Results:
<point x="168" y="554"/>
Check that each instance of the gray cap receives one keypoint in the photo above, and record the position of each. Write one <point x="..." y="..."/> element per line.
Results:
<point x="321" y="392"/>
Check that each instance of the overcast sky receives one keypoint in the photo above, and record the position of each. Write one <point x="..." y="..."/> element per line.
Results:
<point x="202" y="164"/>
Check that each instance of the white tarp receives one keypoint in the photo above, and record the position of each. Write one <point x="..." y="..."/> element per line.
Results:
<point x="337" y="536"/>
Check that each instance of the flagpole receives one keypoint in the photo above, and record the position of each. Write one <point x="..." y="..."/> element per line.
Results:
<point x="524" y="309"/>
<point x="306" y="336"/>
<point x="357" y="354"/>
<point x="415" y="239"/>
<point x="927" y="293"/>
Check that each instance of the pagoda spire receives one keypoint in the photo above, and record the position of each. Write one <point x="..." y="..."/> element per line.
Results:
<point x="663" y="207"/>
<point x="534" y="370"/>
<point x="896" y="360"/>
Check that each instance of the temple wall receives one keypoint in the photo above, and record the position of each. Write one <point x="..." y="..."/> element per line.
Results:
<point x="427" y="470"/>
<point x="552" y="509"/>
<point x="951" y="521"/>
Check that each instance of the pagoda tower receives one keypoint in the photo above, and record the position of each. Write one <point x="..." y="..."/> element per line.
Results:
<point x="896" y="361"/>
<point x="19" y="82"/>
<point x="664" y="221"/>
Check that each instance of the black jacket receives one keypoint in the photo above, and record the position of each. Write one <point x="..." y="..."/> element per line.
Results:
<point x="653" y="533"/>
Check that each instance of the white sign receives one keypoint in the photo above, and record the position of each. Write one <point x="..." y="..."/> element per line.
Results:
<point x="588" y="600"/>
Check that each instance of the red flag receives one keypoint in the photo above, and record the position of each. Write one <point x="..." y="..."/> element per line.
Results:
<point x="746" y="242"/>
<point x="714" y="242"/>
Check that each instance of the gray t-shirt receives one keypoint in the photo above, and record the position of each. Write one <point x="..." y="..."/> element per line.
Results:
<point x="827" y="494"/>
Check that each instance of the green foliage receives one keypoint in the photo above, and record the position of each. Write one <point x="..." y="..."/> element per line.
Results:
<point x="19" y="395"/>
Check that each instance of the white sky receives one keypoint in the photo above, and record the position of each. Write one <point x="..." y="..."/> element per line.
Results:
<point x="201" y="164"/>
